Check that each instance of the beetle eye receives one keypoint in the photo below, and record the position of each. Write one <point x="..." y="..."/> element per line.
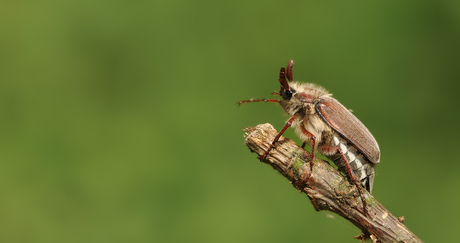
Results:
<point x="287" y="94"/>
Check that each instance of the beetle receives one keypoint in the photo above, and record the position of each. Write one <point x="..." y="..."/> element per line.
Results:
<point x="328" y="127"/>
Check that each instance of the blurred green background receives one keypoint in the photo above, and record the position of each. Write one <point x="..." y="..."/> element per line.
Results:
<point x="118" y="120"/>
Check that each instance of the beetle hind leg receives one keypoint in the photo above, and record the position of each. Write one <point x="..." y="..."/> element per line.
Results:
<point x="331" y="150"/>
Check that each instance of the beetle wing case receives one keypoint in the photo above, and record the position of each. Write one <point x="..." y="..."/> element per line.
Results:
<point x="341" y="120"/>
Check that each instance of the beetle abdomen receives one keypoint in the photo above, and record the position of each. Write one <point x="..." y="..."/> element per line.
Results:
<point x="362" y="168"/>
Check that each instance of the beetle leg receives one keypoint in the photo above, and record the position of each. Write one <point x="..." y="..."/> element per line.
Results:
<point x="303" y="145"/>
<point x="332" y="150"/>
<point x="288" y="124"/>
<point x="259" y="100"/>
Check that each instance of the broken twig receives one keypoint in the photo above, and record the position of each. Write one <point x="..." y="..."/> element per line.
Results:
<point x="327" y="188"/>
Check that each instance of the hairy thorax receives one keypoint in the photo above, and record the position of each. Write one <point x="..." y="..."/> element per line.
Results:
<point x="303" y="104"/>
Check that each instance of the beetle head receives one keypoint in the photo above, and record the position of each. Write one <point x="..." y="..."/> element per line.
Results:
<point x="286" y="91"/>
<point x="298" y="97"/>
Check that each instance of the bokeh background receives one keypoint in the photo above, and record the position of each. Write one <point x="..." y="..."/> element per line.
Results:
<point x="119" y="123"/>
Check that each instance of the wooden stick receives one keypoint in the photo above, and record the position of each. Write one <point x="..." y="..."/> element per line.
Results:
<point x="327" y="188"/>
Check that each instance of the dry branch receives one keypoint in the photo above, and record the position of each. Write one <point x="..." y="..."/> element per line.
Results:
<point x="327" y="188"/>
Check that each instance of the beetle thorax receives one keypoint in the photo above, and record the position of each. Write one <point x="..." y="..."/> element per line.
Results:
<point x="304" y="98"/>
<point x="308" y="92"/>
<point x="303" y="103"/>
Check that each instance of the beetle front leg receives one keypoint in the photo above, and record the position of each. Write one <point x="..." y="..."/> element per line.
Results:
<point x="288" y="124"/>
<point x="258" y="100"/>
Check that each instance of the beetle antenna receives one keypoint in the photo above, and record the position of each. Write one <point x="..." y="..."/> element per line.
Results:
<point x="289" y="70"/>
<point x="283" y="80"/>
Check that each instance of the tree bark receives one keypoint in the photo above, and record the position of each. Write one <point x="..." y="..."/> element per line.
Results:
<point x="327" y="188"/>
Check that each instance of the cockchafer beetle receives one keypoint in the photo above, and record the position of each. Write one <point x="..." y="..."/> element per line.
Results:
<point x="328" y="127"/>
